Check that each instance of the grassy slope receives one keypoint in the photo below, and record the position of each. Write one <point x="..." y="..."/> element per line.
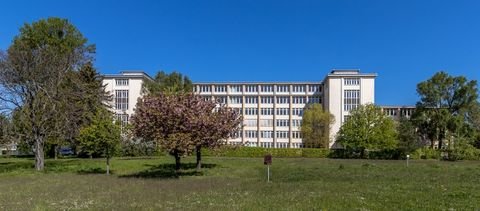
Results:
<point x="239" y="184"/>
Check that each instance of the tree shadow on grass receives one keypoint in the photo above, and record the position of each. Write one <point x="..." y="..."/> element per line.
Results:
<point x="167" y="171"/>
<point x="96" y="170"/>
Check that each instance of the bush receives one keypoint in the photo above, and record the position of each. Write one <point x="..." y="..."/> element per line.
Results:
<point x="462" y="152"/>
<point x="426" y="153"/>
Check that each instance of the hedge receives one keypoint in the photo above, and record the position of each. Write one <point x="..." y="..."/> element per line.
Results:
<point x="229" y="151"/>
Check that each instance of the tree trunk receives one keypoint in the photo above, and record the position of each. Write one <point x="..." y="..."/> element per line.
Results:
<point x="39" y="155"/>
<point x="177" y="161"/>
<point x="108" y="165"/>
<point x="55" y="151"/>
<point x="199" y="158"/>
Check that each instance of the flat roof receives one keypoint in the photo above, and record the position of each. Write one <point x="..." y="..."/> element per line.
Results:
<point x="258" y="82"/>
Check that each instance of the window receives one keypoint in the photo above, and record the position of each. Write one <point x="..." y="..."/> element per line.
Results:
<point x="235" y="100"/>
<point x="267" y="99"/>
<point x="266" y="134"/>
<point x="314" y="88"/>
<point x="266" y="144"/>
<point x="251" y="88"/>
<point x="345" y="118"/>
<point x="207" y="98"/>
<point x="266" y="111"/>
<point x="282" y="123"/>
<point x="205" y="88"/>
<point x="283" y="111"/>
<point x="220" y="88"/>
<point x="235" y="88"/>
<point x="250" y="122"/>
<point x="351" y="81"/>
<point x="282" y="134"/>
<point x="314" y="99"/>
<point x="238" y="110"/>
<point x="221" y="99"/>
<point x="251" y="134"/>
<point x="296" y="122"/>
<point x="283" y="88"/>
<point x="283" y="100"/>
<point x="266" y="88"/>
<point x="236" y="134"/>
<point x="266" y="122"/>
<point x="251" y="100"/>
<point x="298" y="88"/>
<point x="251" y="111"/>
<point x="297" y="111"/>
<point x="121" y="82"/>
<point x="296" y="134"/>
<point x="298" y="100"/>
<point x="122" y="118"/>
<point x="121" y="100"/>
<point x="351" y="99"/>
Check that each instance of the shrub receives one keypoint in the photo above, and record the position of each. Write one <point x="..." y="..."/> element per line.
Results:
<point x="426" y="153"/>
<point x="462" y="152"/>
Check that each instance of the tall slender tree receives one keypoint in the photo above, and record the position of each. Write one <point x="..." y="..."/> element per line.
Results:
<point x="315" y="126"/>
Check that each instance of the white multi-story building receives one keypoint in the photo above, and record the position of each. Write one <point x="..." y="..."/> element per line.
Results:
<point x="126" y="88"/>
<point x="272" y="111"/>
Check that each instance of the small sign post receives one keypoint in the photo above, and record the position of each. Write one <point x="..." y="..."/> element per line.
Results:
<point x="267" y="160"/>
<point x="408" y="158"/>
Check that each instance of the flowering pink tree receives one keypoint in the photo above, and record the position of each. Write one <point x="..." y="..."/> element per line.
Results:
<point x="183" y="123"/>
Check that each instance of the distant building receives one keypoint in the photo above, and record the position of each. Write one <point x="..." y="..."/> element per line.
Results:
<point x="398" y="112"/>
<point x="273" y="111"/>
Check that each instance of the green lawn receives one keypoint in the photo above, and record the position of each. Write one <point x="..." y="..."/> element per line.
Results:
<point x="240" y="184"/>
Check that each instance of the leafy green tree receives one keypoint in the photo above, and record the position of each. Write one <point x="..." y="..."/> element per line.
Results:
<point x="444" y="103"/>
<point x="368" y="127"/>
<point x="408" y="139"/>
<point x="315" y="126"/>
<point x="33" y="72"/>
<point x="101" y="135"/>
<point x="173" y="83"/>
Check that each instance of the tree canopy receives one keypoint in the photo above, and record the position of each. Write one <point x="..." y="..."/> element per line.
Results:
<point x="172" y="83"/>
<point x="315" y="126"/>
<point x="368" y="127"/>
<point x="183" y="122"/>
<point x="445" y="103"/>
<point x="32" y="74"/>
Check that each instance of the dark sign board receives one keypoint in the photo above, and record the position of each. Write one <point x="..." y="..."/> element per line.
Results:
<point x="267" y="160"/>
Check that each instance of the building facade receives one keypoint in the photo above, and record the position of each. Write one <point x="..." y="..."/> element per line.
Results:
<point x="272" y="111"/>
<point x="126" y="89"/>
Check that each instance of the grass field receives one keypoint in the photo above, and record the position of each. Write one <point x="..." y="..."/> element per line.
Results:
<point x="240" y="184"/>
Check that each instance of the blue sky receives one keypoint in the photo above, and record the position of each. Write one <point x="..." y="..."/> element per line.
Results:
<point x="404" y="41"/>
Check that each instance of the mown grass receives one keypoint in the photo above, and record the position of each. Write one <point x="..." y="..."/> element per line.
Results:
<point x="240" y="184"/>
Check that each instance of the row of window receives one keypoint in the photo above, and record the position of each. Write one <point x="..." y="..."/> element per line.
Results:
<point x="269" y="144"/>
<point x="270" y="134"/>
<point x="270" y="111"/>
<point x="351" y="81"/>
<point x="265" y="99"/>
<point x="269" y="122"/>
<point x="121" y="82"/>
<point x="255" y="88"/>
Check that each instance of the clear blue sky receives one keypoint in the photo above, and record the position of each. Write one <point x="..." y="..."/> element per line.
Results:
<point x="405" y="42"/>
